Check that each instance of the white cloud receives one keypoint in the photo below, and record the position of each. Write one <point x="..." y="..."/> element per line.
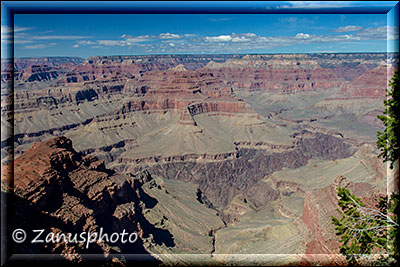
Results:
<point x="392" y="33"/>
<point x="221" y="38"/>
<point x="137" y="39"/>
<point x="219" y="19"/>
<point x="6" y="38"/>
<point x="7" y="34"/>
<point x="21" y="29"/>
<point x="319" y="4"/>
<point x="59" y="37"/>
<point x="75" y="46"/>
<point x="21" y="41"/>
<point x="85" y="42"/>
<point x="240" y="39"/>
<point x="7" y="29"/>
<point x="295" y="21"/>
<point x="349" y="28"/>
<point x="236" y="43"/>
<point x="35" y="46"/>
<point x="379" y="33"/>
<point x="112" y="43"/>
<point x="303" y="36"/>
<point x="169" y="36"/>
<point x="23" y="37"/>
<point x="250" y="34"/>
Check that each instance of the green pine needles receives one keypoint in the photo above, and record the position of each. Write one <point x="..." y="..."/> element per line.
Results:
<point x="388" y="139"/>
<point x="365" y="230"/>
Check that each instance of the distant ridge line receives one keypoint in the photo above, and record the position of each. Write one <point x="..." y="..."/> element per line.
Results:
<point x="218" y="54"/>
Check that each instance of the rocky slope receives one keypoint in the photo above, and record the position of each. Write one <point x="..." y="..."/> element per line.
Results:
<point x="369" y="84"/>
<point x="245" y="142"/>
<point x="256" y="98"/>
<point x="297" y="72"/>
<point x="283" y="74"/>
<point x="318" y="220"/>
<point x="36" y="69"/>
<point x="61" y="191"/>
<point x="19" y="65"/>
<point x="220" y="181"/>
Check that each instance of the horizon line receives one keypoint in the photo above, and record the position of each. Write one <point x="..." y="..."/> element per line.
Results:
<point x="197" y="54"/>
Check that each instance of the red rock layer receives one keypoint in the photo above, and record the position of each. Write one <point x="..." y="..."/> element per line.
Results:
<point x="321" y="204"/>
<point x="286" y="75"/>
<point x="42" y="68"/>
<point x="96" y="68"/>
<point x="23" y="63"/>
<point x="40" y="73"/>
<point x="284" y="81"/>
<point x="62" y="191"/>
<point x="373" y="84"/>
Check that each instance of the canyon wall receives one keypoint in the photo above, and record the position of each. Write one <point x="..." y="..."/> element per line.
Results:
<point x="60" y="190"/>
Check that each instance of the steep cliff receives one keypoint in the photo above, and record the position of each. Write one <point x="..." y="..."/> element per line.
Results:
<point x="62" y="191"/>
<point x="220" y="181"/>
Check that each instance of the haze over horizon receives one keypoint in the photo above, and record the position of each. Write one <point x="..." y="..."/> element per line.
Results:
<point x="198" y="54"/>
<point x="86" y="35"/>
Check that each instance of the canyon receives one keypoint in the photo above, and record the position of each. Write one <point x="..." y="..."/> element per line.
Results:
<point x="208" y="158"/>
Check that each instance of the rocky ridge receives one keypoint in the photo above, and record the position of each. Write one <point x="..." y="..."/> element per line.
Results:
<point x="63" y="191"/>
<point x="220" y="181"/>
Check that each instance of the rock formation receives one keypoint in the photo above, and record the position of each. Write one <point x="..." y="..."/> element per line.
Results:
<point x="62" y="191"/>
<point x="240" y="141"/>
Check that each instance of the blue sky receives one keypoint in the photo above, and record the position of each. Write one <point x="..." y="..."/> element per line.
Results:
<point x="86" y="35"/>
